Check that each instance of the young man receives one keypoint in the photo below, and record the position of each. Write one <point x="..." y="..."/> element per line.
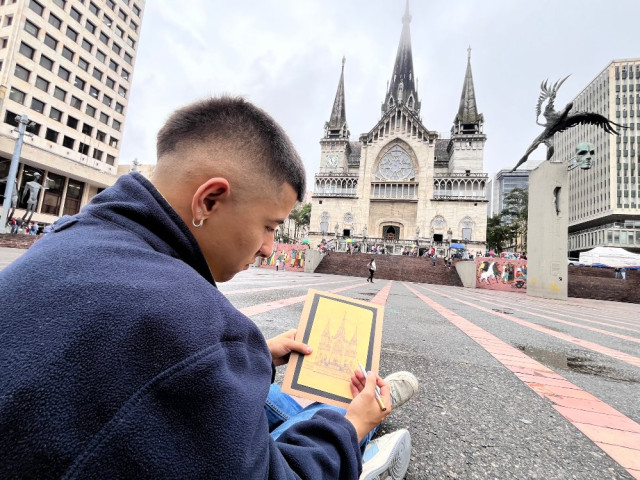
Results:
<point x="136" y="366"/>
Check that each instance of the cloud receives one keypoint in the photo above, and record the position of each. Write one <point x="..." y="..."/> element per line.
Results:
<point x="285" y="55"/>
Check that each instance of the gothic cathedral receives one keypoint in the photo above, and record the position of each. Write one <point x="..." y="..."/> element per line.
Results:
<point x="400" y="183"/>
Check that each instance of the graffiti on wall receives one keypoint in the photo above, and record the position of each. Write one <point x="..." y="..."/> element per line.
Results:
<point x="287" y="255"/>
<point x="501" y="274"/>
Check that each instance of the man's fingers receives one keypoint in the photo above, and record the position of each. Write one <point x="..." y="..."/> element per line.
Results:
<point x="299" y="347"/>
<point x="372" y="379"/>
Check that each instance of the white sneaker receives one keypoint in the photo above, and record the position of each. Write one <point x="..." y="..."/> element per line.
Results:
<point x="403" y="386"/>
<point x="387" y="457"/>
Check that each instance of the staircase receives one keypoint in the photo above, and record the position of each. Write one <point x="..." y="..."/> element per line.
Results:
<point x="601" y="284"/>
<point x="390" y="267"/>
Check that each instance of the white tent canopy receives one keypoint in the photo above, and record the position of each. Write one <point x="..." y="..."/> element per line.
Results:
<point x="610" y="257"/>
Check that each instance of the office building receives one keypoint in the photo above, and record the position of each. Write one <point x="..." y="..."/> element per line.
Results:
<point x="504" y="181"/>
<point x="67" y="65"/>
<point x="604" y="201"/>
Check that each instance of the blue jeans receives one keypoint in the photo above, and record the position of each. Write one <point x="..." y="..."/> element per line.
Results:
<point x="283" y="411"/>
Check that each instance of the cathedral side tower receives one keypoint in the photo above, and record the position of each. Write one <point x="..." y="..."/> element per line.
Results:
<point x="466" y="147"/>
<point x="335" y="148"/>
<point x="336" y="182"/>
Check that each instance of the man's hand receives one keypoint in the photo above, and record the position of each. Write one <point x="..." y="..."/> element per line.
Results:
<point x="282" y="345"/>
<point x="363" y="411"/>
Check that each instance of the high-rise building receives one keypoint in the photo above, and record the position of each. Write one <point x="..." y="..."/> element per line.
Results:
<point x="401" y="183"/>
<point x="604" y="202"/>
<point x="67" y="65"/>
<point x="505" y="181"/>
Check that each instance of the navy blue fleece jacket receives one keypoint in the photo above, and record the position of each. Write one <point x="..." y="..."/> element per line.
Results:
<point x="119" y="358"/>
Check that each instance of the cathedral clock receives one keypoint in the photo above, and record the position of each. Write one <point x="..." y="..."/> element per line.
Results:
<point x="331" y="160"/>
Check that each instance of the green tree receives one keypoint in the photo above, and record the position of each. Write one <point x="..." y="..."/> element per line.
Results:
<point x="516" y="215"/>
<point x="301" y="216"/>
<point x="497" y="233"/>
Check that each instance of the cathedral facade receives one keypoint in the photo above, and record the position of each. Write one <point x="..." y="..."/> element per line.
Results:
<point x="401" y="184"/>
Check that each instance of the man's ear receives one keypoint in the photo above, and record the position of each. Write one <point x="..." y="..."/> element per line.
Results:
<point x="208" y="197"/>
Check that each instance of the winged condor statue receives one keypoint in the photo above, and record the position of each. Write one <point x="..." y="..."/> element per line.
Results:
<point x="562" y="120"/>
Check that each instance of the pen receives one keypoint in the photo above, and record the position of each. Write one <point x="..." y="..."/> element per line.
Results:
<point x="378" y="398"/>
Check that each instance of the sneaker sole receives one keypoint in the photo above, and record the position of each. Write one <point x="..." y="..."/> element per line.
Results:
<point x="397" y="467"/>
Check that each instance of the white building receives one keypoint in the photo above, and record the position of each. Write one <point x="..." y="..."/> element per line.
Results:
<point x="400" y="183"/>
<point x="604" y="201"/>
<point x="68" y="66"/>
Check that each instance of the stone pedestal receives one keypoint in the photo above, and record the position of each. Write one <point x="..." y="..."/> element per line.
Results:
<point x="547" y="238"/>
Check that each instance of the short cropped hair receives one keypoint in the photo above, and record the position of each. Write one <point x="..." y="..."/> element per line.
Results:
<point x="247" y="127"/>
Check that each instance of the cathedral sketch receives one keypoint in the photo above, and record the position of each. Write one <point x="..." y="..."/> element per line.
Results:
<point x="336" y="353"/>
<point x="400" y="183"/>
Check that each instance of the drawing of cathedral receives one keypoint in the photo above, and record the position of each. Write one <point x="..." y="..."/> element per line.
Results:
<point x="336" y="353"/>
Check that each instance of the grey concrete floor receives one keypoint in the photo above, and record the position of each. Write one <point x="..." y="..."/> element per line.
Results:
<point x="473" y="418"/>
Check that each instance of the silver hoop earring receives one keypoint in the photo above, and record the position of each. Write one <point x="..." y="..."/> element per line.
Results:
<point x="197" y="225"/>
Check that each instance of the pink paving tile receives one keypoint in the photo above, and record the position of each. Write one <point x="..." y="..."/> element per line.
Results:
<point x="634" y="473"/>
<point x="265" y="307"/>
<point x="520" y="363"/>
<point x="554" y="382"/>
<point x="596" y="406"/>
<point x="382" y="295"/>
<point x="611" y="436"/>
<point x="279" y="287"/>
<point x="561" y="392"/>
<point x="509" y="355"/>
<point x="627" y="457"/>
<point x="502" y="349"/>
<point x="538" y="372"/>
<point x="617" y="422"/>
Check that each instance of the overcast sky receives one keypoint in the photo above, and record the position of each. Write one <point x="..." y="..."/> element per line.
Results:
<point x="285" y="56"/>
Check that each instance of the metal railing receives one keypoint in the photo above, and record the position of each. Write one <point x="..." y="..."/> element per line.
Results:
<point x="394" y="191"/>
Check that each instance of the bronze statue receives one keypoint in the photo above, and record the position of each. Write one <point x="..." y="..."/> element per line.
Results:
<point x="562" y="120"/>
<point x="32" y="190"/>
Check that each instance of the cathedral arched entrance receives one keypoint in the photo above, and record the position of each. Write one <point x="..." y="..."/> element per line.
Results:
<point x="390" y="233"/>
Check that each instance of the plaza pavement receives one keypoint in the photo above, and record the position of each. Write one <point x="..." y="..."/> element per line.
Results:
<point x="511" y="387"/>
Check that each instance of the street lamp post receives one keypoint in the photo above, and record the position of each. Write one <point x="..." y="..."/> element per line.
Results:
<point x="364" y="239"/>
<point x="23" y="121"/>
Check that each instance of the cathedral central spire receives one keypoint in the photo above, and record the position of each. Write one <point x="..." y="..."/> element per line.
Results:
<point x="402" y="88"/>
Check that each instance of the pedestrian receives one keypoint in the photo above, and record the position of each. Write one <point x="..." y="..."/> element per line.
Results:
<point x="623" y="273"/>
<point x="617" y="272"/>
<point x="372" y="270"/>
<point x="434" y="258"/>
<point x="140" y="367"/>
<point x="284" y="261"/>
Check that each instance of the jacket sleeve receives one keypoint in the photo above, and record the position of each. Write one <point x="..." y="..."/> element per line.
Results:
<point x="205" y="418"/>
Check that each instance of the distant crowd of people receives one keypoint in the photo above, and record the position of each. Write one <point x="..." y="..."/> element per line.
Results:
<point x="27" y="228"/>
